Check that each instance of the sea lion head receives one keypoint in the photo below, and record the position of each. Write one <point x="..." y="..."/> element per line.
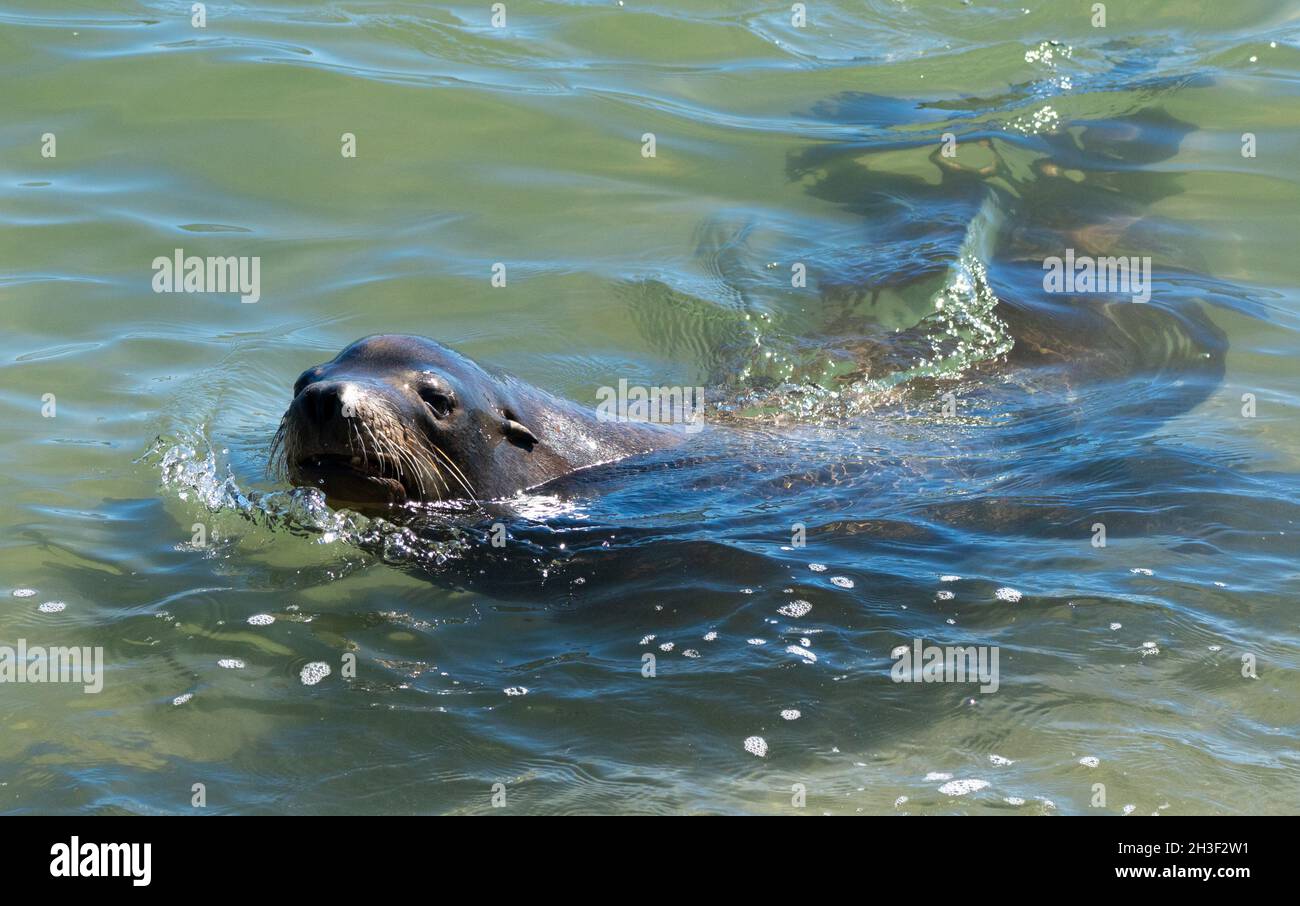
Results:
<point x="394" y="419"/>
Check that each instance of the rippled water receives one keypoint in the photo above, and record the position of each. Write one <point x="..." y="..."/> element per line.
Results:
<point x="943" y="433"/>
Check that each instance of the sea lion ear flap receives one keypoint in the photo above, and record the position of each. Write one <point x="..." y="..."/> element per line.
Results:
<point x="518" y="435"/>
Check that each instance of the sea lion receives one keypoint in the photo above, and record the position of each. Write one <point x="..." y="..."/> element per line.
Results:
<point x="396" y="419"/>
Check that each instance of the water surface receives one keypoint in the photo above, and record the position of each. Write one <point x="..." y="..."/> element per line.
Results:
<point x="774" y="145"/>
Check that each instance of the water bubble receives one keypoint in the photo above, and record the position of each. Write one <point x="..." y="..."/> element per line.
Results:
<point x="791" y="714"/>
<point x="231" y="663"/>
<point x="261" y="619"/>
<point x="795" y="609"/>
<point x="24" y="592"/>
<point x="756" y="745"/>
<point x="1007" y="594"/>
<point x="962" y="787"/>
<point x="182" y="699"/>
<point x="808" y="656"/>
<point x="314" y="672"/>
<point x="52" y="607"/>
<point x="516" y="690"/>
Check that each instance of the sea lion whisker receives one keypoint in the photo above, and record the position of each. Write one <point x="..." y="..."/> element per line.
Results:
<point x="457" y="473"/>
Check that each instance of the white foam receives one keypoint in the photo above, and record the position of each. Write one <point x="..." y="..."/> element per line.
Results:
<point x="667" y="646"/>
<point x="24" y="592"/>
<point x="1007" y="594"/>
<point x="1116" y="625"/>
<point x="516" y="690"/>
<point x="1000" y="761"/>
<point x="944" y="595"/>
<point x="646" y="640"/>
<point x="817" y="567"/>
<point x="710" y="636"/>
<point x="791" y="714"/>
<point x="182" y="699"/>
<point x="950" y="578"/>
<point x="757" y="641"/>
<point x="937" y="775"/>
<point x="962" y="787"/>
<point x="1089" y="761"/>
<point x="795" y="609"/>
<point x="52" y="607"/>
<point x="261" y="619"/>
<point x="690" y="652"/>
<point x="842" y="581"/>
<point x="756" y="745"/>
<point x="314" y="672"/>
<point x="231" y="663"/>
<point x="1141" y="571"/>
<point x="808" y="656"/>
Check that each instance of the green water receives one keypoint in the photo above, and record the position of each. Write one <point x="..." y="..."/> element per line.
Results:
<point x="523" y="146"/>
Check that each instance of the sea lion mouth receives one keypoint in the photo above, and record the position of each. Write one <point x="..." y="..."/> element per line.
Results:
<point x="354" y="462"/>
<point x="351" y="478"/>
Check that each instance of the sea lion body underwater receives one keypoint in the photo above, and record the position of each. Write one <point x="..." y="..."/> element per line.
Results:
<point x="394" y="419"/>
<point x="1012" y="202"/>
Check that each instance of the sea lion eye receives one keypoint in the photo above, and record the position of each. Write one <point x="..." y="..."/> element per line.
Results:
<point x="440" y="402"/>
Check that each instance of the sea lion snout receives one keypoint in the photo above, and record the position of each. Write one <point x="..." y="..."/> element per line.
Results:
<point x="329" y="405"/>
<point x="325" y="404"/>
<point x="356" y="439"/>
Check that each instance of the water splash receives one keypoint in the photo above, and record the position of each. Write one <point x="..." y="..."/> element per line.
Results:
<point x="189" y="467"/>
<point x="961" y="331"/>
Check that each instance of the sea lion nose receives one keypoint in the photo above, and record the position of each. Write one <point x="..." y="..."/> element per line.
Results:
<point x="327" y="402"/>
